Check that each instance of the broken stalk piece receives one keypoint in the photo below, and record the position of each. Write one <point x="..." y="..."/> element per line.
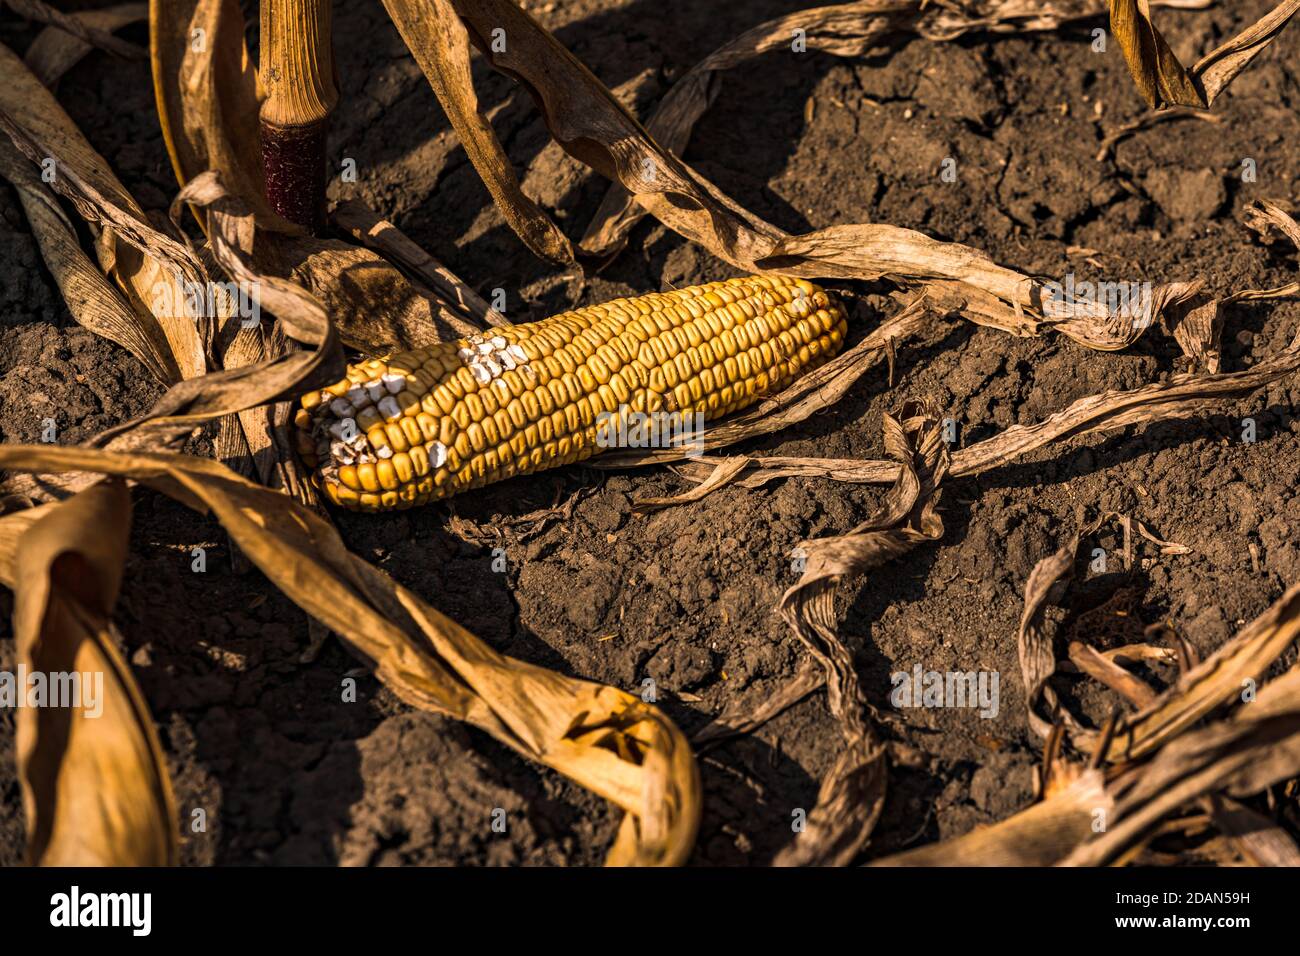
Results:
<point x="297" y="76"/>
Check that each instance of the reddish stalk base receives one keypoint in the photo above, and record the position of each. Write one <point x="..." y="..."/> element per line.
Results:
<point x="293" y="164"/>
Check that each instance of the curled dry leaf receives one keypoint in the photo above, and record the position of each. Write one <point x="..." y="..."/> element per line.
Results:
<point x="1162" y="79"/>
<point x="603" y="738"/>
<point x="852" y="794"/>
<point x="94" y="779"/>
<point x="439" y="43"/>
<point x="1041" y="835"/>
<point x="1034" y="640"/>
<point x="156" y="273"/>
<point x="91" y="298"/>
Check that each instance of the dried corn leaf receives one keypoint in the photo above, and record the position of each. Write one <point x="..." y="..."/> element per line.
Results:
<point x="94" y="779"/>
<point x="440" y="45"/>
<point x="206" y="87"/>
<point x="853" y="792"/>
<point x="1046" y="585"/>
<point x="55" y="51"/>
<point x="1162" y="80"/>
<point x="1178" y="397"/>
<point x="1041" y="835"/>
<point x="1218" y="680"/>
<point x="156" y="273"/>
<point x="605" y="739"/>
<point x="90" y="297"/>
<point x="1259" y="747"/>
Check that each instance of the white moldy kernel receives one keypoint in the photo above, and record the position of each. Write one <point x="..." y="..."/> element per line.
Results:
<point x="493" y="369"/>
<point x="517" y="353"/>
<point x="437" y="455"/>
<point x="393" y="382"/>
<point x="385" y="452"/>
<point x="481" y="374"/>
<point x="484" y="348"/>
<point x="389" y="408"/>
<point x="506" y="359"/>
<point x="466" y="355"/>
<point x="499" y="342"/>
<point x="342" y="453"/>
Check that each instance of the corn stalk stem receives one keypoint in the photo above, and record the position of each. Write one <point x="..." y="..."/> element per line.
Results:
<point x="296" y="74"/>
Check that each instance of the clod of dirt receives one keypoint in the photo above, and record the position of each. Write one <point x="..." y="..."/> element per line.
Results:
<point x="1186" y="195"/>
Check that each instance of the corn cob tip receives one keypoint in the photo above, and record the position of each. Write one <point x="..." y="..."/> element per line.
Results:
<point x="426" y="424"/>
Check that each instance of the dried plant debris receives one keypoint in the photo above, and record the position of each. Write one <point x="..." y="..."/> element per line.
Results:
<point x="1162" y="80"/>
<point x="847" y="30"/>
<point x="95" y="791"/>
<point x="276" y="308"/>
<point x="157" y="274"/>
<point x="852" y="794"/>
<point x="593" y="127"/>
<point x="607" y="740"/>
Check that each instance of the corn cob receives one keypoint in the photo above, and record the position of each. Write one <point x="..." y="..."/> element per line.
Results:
<point x="426" y="424"/>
